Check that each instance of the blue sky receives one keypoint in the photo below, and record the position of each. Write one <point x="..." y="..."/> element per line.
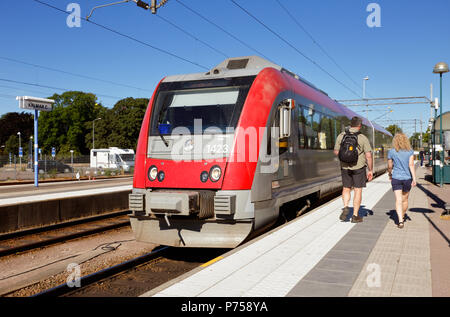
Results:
<point x="398" y="57"/>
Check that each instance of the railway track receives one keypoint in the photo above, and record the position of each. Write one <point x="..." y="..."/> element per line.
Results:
<point x="30" y="239"/>
<point x="136" y="276"/>
<point x="144" y="273"/>
<point x="139" y="275"/>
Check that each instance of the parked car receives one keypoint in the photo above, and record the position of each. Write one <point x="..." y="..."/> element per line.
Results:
<point x="46" y="166"/>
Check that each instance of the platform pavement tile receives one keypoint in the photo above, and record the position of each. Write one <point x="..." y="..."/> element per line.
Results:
<point x="418" y="239"/>
<point x="413" y="229"/>
<point x="182" y="289"/>
<point x="314" y="289"/>
<point x="407" y="290"/>
<point x="420" y="258"/>
<point x="339" y="265"/>
<point x="392" y="240"/>
<point x="353" y="247"/>
<point x="367" y="228"/>
<point x="363" y="234"/>
<point x="416" y="269"/>
<point x="382" y="253"/>
<point x="333" y="277"/>
<point x="358" y="238"/>
<point x="414" y="279"/>
<point x="347" y="255"/>
<point x="256" y="271"/>
<point x="420" y="235"/>
<point x="298" y="266"/>
<point x="386" y="267"/>
<point x="389" y="247"/>
<point x="370" y="293"/>
<point x="362" y="283"/>
<point x="275" y="289"/>
<point x="417" y="252"/>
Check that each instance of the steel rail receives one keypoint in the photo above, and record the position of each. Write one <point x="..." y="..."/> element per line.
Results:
<point x="63" y="237"/>
<point x="87" y="280"/>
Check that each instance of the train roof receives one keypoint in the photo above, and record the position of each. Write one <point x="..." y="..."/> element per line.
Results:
<point x="251" y="66"/>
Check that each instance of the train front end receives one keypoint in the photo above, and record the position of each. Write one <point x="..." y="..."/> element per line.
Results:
<point x="186" y="192"/>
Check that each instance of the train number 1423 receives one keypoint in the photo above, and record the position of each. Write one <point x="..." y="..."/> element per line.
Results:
<point x="217" y="148"/>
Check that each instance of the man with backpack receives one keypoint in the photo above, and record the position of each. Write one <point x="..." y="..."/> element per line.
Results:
<point x="355" y="153"/>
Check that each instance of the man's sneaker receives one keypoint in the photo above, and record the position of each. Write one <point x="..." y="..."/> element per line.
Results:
<point x="357" y="219"/>
<point x="344" y="213"/>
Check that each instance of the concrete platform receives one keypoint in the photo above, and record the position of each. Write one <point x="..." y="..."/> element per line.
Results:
<point x="25" y="191"/>
<point x="24" y="207"/>
<point x="318" y="255"/>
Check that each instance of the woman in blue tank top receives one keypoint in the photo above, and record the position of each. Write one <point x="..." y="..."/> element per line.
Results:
<point x="401" y="173"/>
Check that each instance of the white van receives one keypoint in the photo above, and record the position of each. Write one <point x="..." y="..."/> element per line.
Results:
<point x="112" y="158"/>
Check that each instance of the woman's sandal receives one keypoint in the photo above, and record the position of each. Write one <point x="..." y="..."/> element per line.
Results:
<point x="400" y="225"/>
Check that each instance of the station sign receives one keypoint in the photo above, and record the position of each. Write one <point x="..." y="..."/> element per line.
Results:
<point x="34" y="103"/>
<point x="20" y="152"/>
<point x="53" y="152"/>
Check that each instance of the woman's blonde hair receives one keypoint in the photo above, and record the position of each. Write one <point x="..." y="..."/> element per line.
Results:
<point x="401" y="142"/>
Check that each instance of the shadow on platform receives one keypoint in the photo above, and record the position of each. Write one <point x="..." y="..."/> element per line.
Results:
<point x="362" y="212"/>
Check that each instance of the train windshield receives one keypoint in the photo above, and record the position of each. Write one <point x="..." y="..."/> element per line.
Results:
<point x="196" y="107"/>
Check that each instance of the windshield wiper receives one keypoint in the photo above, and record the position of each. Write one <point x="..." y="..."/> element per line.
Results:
<point x="162" y="138"/>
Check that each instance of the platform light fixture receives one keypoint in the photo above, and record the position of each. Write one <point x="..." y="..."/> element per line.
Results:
<point x="441" y="68"/>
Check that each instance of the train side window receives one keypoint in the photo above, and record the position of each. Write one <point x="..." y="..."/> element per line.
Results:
<point x="317" y="141"/>
<point x="316" y="130"/>
<point x="302" y="137"/>
<point x="326" y="133"/>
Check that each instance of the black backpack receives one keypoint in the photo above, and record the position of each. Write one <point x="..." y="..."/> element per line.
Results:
<point x="348" y="153"/>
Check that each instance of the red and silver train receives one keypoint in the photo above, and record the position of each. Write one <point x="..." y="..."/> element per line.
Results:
<point x="220" y="153"/>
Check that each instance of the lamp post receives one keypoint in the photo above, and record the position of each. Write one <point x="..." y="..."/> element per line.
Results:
<point x="367" y="117"/>
<point x="30" y="149"/>
<point x="93" y="131"/>
<point x="364" y="93"/>
<point x="441" y="68"/>
<point x="20" y="156"/>
<point x="71" y="160"/>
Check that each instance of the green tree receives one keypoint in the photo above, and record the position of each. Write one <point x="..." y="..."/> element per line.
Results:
<point x="393" y="128"/>
<point x="12" y="145"/>
<point x="120" y="126"/>
<point x="415" y="139"/>
<point x="13" y="122"/>
<point x="65" y="127"/>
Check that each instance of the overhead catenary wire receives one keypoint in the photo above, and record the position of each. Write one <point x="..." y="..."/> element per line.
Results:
<point x="192" y="36"/>
<point x="223" y="30"/>
<point x="51" y="87"/>
<point x="22" y="89"/>
<point x="127" y="36"/>
<point x="317" y="44"/>
<point x="70" y="73"/>
<point x="294" y="47"/>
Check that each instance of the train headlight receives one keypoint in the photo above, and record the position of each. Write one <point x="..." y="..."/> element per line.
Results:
<point x="161" y="176"/>
<point x="152" y="172"/>
<point x="204" y="176"/>
<point x="215" y="173"/>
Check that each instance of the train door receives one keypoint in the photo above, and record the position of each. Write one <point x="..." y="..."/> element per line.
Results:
<point x="284" y="143"/>
<point x="276" y="160"/>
